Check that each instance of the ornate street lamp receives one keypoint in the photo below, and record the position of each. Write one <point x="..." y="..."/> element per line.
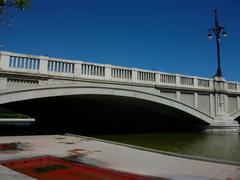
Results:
<point x="217" y="30"/>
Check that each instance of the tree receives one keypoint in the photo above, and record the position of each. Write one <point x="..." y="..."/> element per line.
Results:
<point x="20" y="4"/>
<point x="6" y="6"/>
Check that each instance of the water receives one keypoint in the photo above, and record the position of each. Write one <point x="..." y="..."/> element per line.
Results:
<point x="215" y="146"/>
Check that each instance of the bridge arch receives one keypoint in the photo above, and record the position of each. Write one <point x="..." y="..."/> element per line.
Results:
<point x="54" y="91"/>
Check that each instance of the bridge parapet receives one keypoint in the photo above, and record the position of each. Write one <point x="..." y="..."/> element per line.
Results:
<point x="48" y="66"/>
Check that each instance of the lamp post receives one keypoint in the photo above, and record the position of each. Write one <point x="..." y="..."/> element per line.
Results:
<point x="217" y="29"/>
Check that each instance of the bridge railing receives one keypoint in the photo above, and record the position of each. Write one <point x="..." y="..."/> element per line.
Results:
<point x="232" y="86"/>
<point x="43" y="65"/>
<point x="23" y="63"/>
<point x="120" y="73"/>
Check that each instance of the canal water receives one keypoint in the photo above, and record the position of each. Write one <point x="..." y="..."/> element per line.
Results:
<point x="214" y="146"/>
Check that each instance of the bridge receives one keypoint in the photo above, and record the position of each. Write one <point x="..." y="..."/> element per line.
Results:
<point x="212" y="101"/>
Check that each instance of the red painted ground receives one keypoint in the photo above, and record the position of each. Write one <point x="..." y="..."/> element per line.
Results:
<point x="49" y="168"/>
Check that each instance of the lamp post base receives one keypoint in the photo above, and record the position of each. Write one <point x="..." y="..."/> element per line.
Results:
<point x="219" y="73"/>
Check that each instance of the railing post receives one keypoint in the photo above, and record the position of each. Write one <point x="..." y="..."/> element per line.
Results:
<point x="134" y="75"/>
<point x="43" y="68"/>
<point x="157" y="79"/>
<point x="77" y="69"/>
<point x="178" y="81"/>
<point x="108" y="74"/>
<point x="211" y="85"/>
<point x="4" y="62"/>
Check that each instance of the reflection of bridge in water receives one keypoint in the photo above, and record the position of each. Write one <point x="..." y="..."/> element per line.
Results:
<point x="212" y="102"/>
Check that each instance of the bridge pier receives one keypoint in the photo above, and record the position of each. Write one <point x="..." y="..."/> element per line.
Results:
<point x="223" y="124"/>
<point x="222" y="121"/>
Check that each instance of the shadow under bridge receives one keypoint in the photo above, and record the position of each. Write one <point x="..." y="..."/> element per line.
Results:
<point x="102" y="114"/>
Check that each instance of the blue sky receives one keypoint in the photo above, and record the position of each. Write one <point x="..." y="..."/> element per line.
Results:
<point x="164" y="35"/>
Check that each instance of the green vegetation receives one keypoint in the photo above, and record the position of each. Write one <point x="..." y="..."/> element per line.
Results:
<point x="5" y="5"/>
<point x="4" y="113"/>
<point x="215" y="146"/>
<point x="8" y="8"/>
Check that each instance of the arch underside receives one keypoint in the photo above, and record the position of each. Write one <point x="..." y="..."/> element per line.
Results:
<point x="104" y="103"/>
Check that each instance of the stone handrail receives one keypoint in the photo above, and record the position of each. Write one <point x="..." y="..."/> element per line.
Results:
<point x="45" y="65"/>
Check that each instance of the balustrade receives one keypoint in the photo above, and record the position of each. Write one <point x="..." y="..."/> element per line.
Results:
<point x="203" y="83"/>
<point x="121" y="73"/>
<point x="168" y="79"/>
<point x="61" y="67"/>
<point x="44" y="65"/>
<point x="23" y="62"/>
<point x="146" y="76"/>
<point x="92" y="70"/>
<point x="187" y="81"/>
<point x="232" y="86"/>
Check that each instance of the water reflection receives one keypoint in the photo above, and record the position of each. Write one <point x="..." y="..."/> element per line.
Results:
<point x="217" y="146"/>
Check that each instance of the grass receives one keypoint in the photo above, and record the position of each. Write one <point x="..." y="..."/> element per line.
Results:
<point x="5" y="113"/>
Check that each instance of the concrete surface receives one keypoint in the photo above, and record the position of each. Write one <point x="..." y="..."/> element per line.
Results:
<point x="8" y="174"/>
<point x="114" y="156"/>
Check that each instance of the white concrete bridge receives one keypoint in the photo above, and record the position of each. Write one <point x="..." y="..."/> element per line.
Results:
<point x="26" y="77"/>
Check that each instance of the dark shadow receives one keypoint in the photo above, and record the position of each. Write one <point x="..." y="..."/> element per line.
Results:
<point x="95" y="114"/>
<point x="238" y="120"/>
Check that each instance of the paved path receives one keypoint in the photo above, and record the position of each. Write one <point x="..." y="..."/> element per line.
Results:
<point x="117" y="157"/>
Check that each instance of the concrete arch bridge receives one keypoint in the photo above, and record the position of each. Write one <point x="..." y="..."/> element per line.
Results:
<point x="35" y="81"/>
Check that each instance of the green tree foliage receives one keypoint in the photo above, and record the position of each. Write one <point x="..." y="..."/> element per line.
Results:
<point x="19" y="4"/>
<point x="7" y="8"/>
